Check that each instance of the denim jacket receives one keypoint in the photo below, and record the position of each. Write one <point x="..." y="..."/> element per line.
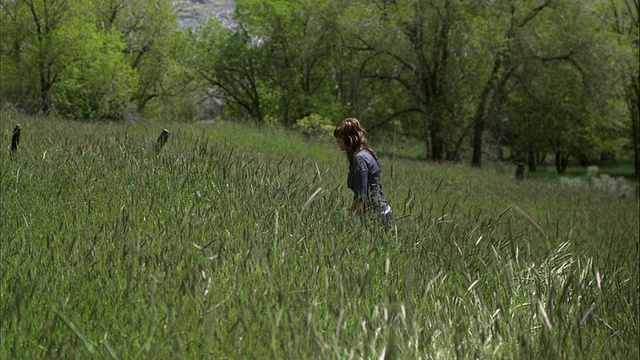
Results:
<point x="365" y="180"/>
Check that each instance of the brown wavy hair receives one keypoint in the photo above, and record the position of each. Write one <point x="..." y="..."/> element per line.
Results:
<point x="352" y="133"/>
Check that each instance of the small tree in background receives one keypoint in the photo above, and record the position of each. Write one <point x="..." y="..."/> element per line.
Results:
<point x="315" y="125"/>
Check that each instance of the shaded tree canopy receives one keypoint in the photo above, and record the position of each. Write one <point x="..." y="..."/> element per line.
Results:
<point x="467" y="78"/>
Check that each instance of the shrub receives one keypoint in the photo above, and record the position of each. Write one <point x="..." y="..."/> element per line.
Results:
<point x="314" y="125"/>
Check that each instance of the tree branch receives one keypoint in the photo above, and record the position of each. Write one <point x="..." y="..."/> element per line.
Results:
<point x="534" y="13"/>
<point x="568" y="58"/>
<point x="395" y="115"/>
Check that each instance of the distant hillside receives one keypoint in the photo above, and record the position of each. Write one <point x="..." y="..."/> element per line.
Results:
<point x="192" y="12"/>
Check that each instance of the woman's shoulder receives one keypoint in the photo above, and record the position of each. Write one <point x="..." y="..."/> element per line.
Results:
<point x="364" y="156"/>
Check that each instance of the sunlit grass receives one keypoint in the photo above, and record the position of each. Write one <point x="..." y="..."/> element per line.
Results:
<point x="235" y="241"/>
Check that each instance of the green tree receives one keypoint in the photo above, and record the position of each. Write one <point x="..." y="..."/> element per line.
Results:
<point x="148" y="28"/>
<point x="277" y="64"/>
<point x="569" y="84"/>
<point x="298" y="38"/>
<point x="87" y="59"/>
<point x="623" y="19"/>
<point x="99" y="83"/>
<point x="34" y="52"/>
<point x="230" y="63"/>
<point x="550" y="115"/>
<point x="406" y="45"/>
<point x="518" y="16"/>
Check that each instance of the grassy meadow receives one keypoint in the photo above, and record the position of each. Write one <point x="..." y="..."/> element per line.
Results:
<point x="236" y="242"/>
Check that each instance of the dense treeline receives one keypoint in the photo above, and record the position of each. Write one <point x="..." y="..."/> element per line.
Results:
<point x="466" y="77"/>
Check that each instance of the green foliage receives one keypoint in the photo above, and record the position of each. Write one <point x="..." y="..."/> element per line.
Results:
<point x="555" y="76"/>
<point x="99" y="84"/>
<point x="149" y="30"/>
<point x="36" y="48"/>
<point x="90" y="60"/>
<point x="556" y="103"/>
<point x="622" y="24"/>
<point x="235" y="242"/>
<point x="277" y="64"/>
<point x="230" y="63"/>
<point x="180" y="94"/>
<point x="315" y="125"/>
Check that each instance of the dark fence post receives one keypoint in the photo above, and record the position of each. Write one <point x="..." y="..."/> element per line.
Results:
<point x="15" y="139"/>
<point x="520" y="171"/>
<point x="162" y="139"/>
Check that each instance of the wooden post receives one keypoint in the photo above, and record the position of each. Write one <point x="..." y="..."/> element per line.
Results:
<point x="15" y="139"/>
<point x="520" y="171"/>
<point x="162" y="139"/>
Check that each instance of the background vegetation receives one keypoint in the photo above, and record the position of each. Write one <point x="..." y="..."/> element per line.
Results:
<point x="235" y="241"/>
<point x="468" y="79"/>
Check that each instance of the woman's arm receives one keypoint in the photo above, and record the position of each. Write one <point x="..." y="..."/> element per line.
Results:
<point x="360" y="184"/>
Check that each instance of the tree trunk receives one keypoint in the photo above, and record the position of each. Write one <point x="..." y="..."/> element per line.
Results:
<point x="562" y="161"/>
<point x="531" y="159"/>
<point x="479" y="119"/>
<point x="634" y="107"/>
<point x="636" y="142"/>
<point x="438" y="148"/>
<point x="45" y="97"/>
<point x="427" y="136"/>
<point x="478" y="130"/>
<point x="435" y="142"/>
<point x="479" y="123"/>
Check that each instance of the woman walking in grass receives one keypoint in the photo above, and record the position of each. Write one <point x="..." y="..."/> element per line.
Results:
<point x="364" y="171"/>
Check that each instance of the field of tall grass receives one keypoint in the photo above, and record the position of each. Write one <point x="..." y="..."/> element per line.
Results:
<point x="236" y="242"/>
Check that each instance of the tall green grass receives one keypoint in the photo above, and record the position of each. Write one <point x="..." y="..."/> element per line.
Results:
<point x="235" y="241"/>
